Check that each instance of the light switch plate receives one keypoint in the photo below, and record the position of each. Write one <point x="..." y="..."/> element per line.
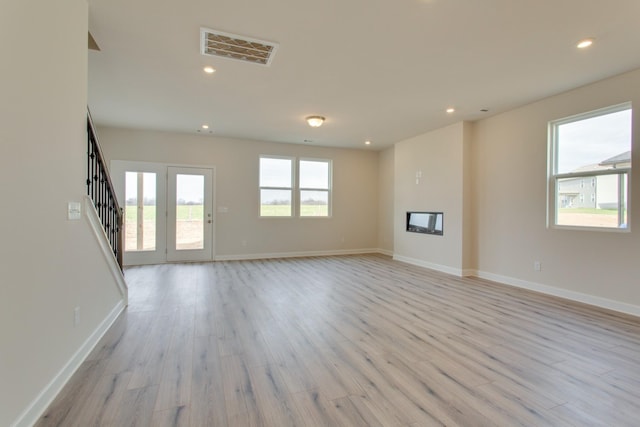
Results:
<point x="74" y="211"/>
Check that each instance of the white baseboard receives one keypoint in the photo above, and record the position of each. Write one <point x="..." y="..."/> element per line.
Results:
<point x="385" y="252"/>
<point x="468" y="272"/>
<point x="420" y="263"/>
<point x="244" y="257"/>
<point x="105" y="247"/>
<point x="596" y="301"/>
<point x="618" y="306"/>
<point x="41" y="403"/>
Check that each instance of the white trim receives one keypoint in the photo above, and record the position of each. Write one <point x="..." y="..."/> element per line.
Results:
<point x="420" y="263"/>
<point x="40" y="404"/>
<point x="609" y="304"/>
<point x="103" y="241"/>
<point x="384" y="252"/>
<point x="243" y="257"/>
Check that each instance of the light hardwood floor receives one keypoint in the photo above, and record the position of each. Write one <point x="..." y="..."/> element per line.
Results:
<point x="350" y="341"/>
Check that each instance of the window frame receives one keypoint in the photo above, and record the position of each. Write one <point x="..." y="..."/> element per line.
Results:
<point x="554" y="178"/>
<point x="292" y="188"/>
<point x="295" y="189"/>
<point x="328" y="190"/>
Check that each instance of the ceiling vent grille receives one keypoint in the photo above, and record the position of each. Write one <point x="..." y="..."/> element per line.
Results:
<point x="232" y="46"/>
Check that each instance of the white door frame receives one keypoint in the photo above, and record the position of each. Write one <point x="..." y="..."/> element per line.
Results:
<point x="206" y="253"/>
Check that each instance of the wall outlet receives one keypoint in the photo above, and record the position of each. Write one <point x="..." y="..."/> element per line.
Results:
<point x="537" y="266"/>
<point x="76" y="316"/>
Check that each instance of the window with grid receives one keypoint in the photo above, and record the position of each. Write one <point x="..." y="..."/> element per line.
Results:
<point x="276" y="186"/>
<point x="315" y="187"/>
<point x="594" y="147"/>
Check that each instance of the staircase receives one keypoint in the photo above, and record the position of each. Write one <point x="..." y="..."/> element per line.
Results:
<point x="100" y="191"/>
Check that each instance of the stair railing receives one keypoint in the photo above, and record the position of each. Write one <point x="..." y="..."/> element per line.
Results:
<point x="100" y="190"/>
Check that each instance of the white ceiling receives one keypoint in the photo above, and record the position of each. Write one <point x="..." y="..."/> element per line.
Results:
<point x="382" y="70"/>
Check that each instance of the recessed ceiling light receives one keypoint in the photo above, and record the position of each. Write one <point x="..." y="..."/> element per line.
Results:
<point x="584" y="43"/>
<point x="451" y="110"/>
<point x="209" y="70"/>
<point x="367" y="143"/>
<point x="205" y="126"/>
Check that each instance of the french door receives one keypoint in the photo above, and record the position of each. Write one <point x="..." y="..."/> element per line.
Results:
<point x="168" y="212"/>
<point x="189" y="214"/>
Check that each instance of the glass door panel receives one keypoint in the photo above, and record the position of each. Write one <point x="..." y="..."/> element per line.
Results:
<point x="190" y="215"/>
<point x="189" y="212"/>
<point x="142" y="193"/>
<point x="140" y="211"/>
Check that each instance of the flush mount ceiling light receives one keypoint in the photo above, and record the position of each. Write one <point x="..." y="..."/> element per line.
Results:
<point x="315" y="121"/>
<point x="209" y="70"/>
<point x="582" y="44"/>
<point x="367" y="143"/>
<point x="205" y="126"/>
<point x="451" y="110"/>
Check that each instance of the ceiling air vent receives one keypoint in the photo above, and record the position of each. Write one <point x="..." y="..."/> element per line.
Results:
<point x="232" y="46"/>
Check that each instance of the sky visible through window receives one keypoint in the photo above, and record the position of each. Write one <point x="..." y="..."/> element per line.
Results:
<point x="590" y="141"/>
<point x="190" y="187"/>
<point x="275" y="172"/>
<point x="148" y="187"/>
<point x="314" y="174"/>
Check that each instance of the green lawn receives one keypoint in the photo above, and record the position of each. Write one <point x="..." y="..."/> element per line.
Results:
<point x="589" y="211"/>
<point x="285" y="210"/>
<point x="195" y="211"/>
<point x="185" y="212"/>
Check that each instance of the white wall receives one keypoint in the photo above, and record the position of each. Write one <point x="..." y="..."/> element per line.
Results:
<point x="385" y="200"/>
<point x="509" y="164"/>
<point x="467" y="207"/>
<point x="489" y="178"/>
<point x="352" y="227"/>
<point x="48" y="265"/>
<point x="439" y="155"/>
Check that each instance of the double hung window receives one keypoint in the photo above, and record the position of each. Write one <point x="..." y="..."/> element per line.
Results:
<point x="285" y="193"/>
<point x="276" y="186"/>
<point x="589" y="169"/>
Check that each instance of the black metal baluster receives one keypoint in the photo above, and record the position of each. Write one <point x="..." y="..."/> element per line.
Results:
<point x="100" y="190"/>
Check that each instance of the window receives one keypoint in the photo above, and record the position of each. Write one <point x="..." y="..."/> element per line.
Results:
<point x="594" y="146"/>
<point x="315" y="187"/>
<point x="276" y="186"/>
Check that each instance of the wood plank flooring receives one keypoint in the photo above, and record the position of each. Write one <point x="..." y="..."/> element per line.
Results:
<point x="350" y="341"/>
